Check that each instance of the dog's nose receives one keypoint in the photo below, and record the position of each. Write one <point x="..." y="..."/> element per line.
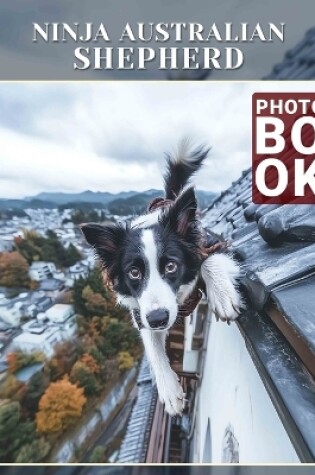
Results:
<point x="158" y="318"/>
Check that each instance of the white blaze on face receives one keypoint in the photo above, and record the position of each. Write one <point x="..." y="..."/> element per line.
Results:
<point x="157" y="294"/>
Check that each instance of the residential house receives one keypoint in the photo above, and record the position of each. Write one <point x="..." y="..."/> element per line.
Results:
<point x="41" y="270"/>
<point x="42" y="339"/>
<point x="53" y="288"/>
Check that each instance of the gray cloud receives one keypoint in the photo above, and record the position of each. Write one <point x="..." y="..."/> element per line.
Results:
<point x="112" y="136"/>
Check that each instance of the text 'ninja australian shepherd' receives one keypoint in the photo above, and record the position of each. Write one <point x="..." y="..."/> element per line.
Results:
<point x="155" y="262"/>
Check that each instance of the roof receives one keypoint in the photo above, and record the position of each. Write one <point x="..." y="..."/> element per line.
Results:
<point x="276" y="248"/>
<point x="135" y="444"/>
<point x="40" y="264"/>
<point x="25" y="374"/>
<point x="60" y="310"/>
<point x="35" y="338"/>
<point x="299" y="62"/>
<point x="50" y="284"/>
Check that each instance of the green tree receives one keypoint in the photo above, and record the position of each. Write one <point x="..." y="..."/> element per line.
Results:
<point x="47" y="248"/>
<point x="97" y="455"/>
<point x="33" y="452"/>
<point x="34" y="391"/>
<point x="9" y="420"/>
<point x="85" y="378"/>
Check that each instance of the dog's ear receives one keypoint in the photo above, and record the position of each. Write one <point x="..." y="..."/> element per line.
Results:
<point x="106" y="240"/>
<point x="181" y="215"/>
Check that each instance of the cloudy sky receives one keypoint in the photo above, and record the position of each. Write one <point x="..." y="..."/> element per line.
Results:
<point x="108" y="136"/>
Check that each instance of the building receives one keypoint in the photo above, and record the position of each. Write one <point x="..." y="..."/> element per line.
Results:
<point x="78" y="270"/>
<point x="41" y="338"/>
<point x="53" y="288"/>
<point x="11" y="313"/>
<point x="41" y="270"/>
<point x="250" y="386"/>
<point x="60" y="313"/>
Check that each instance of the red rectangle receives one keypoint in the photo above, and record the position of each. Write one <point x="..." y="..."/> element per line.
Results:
<point x="283" y="148"/>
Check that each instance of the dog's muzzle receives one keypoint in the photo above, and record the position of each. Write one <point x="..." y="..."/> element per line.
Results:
<point x="158" y="319"/>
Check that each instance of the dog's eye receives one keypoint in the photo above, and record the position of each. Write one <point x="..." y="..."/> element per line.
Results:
<point x="171" y="267"/>
<point x="134" y="274"/>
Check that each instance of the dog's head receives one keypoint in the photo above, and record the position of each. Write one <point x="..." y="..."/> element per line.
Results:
<point x="154" y="263"/>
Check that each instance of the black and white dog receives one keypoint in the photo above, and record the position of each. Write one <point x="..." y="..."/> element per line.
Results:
<point x="154" y="264"/>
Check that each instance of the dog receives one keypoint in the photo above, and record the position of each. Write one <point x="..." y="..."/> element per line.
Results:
<point x="154" y="264"/>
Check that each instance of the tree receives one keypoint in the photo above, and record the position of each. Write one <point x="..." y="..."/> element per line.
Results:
<point x="34" y="391"/>
<point x="105" y="304"/>
<point x="97" y="455"/>
<point x="64" y="358"/>
<point x="9" y="419"/>
<point x="85" y="378"/>
<point x="15" y="433"/>
<point x="60" y="406"/>
<point x="35" y="247"/>
<point x="19" y="359"/>
<point x="11" y="388"/>
<point x="33" y="452"/>
<point x="13" y="270"/>
<point x="126" y="361"/>
<point x="95" y="303"/>
<point x="89" y="361"/>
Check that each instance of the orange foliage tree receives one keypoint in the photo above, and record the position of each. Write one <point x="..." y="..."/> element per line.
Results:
<point x="59" y="407"/>
<point x="13" y="270"/>
<point x="90" y="363"/>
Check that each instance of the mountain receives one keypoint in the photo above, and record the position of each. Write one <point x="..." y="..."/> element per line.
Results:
<point x="88" y="196"/>
<point x="138" y="203"/>
<point x="125" y="202"/>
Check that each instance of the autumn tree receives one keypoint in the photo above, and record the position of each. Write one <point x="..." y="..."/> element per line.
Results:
<point x="60" y="406"/>
<point x="89" y="361"/>
<point x="86" y="288"/>
<point x="126" y="361"/>
<point x="19" y="359"/>
<point x="64" y="358"/>
<point x="95" y="303"/>
<point x="85" y="378"/>
<point x="13" y="270"/>
<point x="11" y="388"/>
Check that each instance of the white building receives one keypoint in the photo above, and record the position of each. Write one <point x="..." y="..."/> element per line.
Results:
<point x="44" y="341"/>
<point x="11" y="313"/>
<point x="60" y="313"/>
<point x="78" y="270"/>
<point x="233" y="410"/>
<point x="41" y="270"/>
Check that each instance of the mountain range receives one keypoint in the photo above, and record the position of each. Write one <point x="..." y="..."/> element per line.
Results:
<point x="117" y="203"/>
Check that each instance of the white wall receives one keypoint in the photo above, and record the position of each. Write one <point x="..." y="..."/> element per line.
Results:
<point x="233" y="395"/>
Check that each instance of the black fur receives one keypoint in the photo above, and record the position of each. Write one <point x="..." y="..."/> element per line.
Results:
<point x="176" y="236"/>
<point x="180" y="170"/>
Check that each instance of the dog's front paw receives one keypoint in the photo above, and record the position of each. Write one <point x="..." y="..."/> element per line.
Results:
<point x="220" y="272"/>
<point x="228" y="307"/>
<point x="171" y="394"/>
